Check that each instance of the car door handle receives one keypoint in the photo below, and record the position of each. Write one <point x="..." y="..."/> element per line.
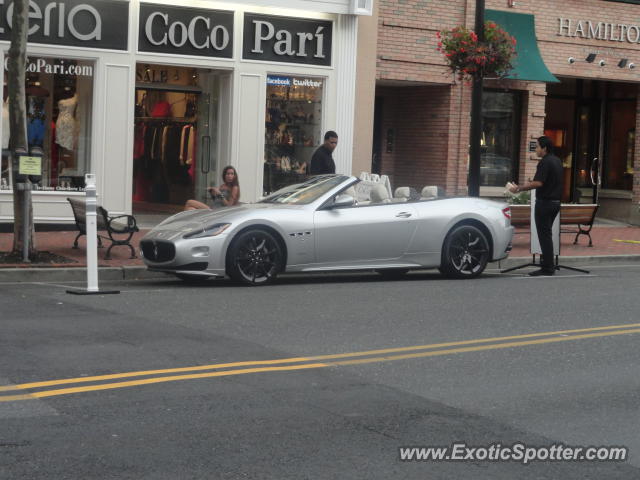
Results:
<point x="403" y="215"/>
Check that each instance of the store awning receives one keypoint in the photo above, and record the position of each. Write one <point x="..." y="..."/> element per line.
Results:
<point x="528" y="64"/>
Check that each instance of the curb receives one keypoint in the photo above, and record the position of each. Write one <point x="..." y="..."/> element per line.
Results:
<point x="78" y="274"/>
<point x="585" y="261"/>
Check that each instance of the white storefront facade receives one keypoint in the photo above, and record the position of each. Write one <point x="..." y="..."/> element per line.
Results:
<point x="155" y="98"/>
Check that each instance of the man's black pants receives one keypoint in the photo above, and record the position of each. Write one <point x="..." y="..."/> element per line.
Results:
<point x="545" y="214"/>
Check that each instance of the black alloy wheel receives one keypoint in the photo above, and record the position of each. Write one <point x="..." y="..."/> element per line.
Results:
<point x="465" y="253"/>
<point x="255" y="257"/>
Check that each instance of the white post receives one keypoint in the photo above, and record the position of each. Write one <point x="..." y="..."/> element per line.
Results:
<point x="91" y="221"/>
<point x="92" y="232"/>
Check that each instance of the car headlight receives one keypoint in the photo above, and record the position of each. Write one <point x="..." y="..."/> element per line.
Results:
<point x="208" y="231"/>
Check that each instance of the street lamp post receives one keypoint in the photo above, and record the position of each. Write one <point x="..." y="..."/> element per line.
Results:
<point x="476" y="113"/>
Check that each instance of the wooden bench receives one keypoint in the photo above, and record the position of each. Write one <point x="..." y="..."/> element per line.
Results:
<point x="581" y="215"/>
<point x="118" y="233"/>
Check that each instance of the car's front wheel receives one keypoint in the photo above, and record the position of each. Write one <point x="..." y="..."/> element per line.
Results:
<point x="465" y="252"/>
<point x="254" y="258"/>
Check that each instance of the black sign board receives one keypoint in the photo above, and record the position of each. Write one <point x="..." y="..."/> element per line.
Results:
<point x="86" y="23"/>
<point x="284" y="39"/>
<point x="185" y="31"/>
<point x="532" y="145"/>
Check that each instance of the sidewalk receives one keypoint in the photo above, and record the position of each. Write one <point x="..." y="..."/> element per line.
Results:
<point x="60" y="243"/>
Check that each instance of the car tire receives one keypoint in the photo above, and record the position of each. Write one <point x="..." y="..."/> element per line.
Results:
<point x="254" y="258"/>
<point x="392" y="273"/>
<point x="465" y="252"/>
<point x="185" y="277"/>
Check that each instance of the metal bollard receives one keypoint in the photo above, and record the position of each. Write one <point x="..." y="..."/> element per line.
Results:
<point x="91" y="203"/>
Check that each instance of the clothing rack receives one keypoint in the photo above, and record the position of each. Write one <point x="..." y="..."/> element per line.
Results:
<point x="164" y="119"/>
<point x="168" y="88"/>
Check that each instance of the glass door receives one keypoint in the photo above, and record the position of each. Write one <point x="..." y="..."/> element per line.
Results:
<point x="587" y="164"/>
<point x="207" y="137"/>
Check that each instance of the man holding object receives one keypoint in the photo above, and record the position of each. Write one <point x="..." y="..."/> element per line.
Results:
<point x="548" y="185"/>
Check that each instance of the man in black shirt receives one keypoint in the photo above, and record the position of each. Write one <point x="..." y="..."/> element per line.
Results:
<point x="548" y="184"/>
<point x="322" y="161"/>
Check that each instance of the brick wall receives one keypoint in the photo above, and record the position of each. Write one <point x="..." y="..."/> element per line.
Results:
<point x="407" y="53"/>
<point x="420" y="118"/>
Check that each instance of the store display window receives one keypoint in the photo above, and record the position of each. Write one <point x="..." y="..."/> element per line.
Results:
<point x="293" y="129"/>
<point x="500" y="138"/>
<point x="175" y="137"/>
<point x="59" y="96"/>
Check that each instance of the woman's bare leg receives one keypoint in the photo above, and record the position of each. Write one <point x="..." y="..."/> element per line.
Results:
<point x="195" y="205"/>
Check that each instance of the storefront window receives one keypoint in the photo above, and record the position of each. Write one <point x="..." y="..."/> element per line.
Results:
<point x="175" y="156"/>
<point x="620" y="145"/>
<point x="59" y="102"/>
<point x="293" y="129"/>
<point x="500" y="134"/>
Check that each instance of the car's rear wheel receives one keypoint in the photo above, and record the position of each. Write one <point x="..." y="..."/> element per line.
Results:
<point x="392" y="273"/>
<point x="255" y="257"/>
<point x="465" y="253"/>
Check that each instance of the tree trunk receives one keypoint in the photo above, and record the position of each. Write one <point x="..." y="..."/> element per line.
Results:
<point x="17" y="65"/>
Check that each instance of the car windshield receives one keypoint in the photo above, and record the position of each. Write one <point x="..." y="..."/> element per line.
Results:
<point x="306" y="192"/>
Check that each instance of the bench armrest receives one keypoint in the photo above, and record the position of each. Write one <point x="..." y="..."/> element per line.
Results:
<point x="130" y="225"/>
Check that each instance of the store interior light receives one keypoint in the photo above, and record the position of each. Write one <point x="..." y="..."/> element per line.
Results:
<point x="590" y="58"/>
<point x="622" y="63"/>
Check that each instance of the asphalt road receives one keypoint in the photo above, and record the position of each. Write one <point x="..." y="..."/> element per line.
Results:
<point x="319" y="377"/>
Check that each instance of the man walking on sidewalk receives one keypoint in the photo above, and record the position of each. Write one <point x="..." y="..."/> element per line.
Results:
<point x="548" y="184"/>
<point x="322" y="161"/>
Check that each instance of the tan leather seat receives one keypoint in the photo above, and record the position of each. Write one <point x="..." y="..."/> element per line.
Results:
<point x="429" y="192"/>
<point x="379" y="194"/>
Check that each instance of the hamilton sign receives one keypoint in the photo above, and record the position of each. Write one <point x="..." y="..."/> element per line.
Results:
<point x="185" y="31"/>
<point x="612" y="32"/>
<point x="79" y="23"/>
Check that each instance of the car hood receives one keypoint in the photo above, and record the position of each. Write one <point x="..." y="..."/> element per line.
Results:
<point x="188" y="221"/>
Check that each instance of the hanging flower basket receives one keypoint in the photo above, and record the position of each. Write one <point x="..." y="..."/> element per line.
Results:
<point x="468" y="58"/>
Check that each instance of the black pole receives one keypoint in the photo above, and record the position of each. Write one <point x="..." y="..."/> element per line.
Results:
<point x="476" y="113"/>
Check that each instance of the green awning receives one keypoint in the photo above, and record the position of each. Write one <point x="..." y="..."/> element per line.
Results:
<point x="528" y="64"/>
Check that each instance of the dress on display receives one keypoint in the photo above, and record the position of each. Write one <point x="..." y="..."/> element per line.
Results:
<point x="66" y="123"/>
<point x="35" y="120"/>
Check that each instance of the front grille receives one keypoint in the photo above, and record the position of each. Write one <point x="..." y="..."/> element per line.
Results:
<point x="158" y="250"/>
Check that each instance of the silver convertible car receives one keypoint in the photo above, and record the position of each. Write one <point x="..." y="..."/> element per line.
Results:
<point x="319" y="225"/>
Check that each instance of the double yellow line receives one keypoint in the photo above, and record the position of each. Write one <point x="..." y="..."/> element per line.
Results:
<point x="8" y="393"/>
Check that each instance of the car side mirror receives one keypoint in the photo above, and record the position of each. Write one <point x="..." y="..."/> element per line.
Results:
<point x="343" y="200"/>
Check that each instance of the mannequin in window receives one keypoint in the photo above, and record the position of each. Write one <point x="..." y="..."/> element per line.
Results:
<point x="36" y="115"/>
<point x="66" y="122"/>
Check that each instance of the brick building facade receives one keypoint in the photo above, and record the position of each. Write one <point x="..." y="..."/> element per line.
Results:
<point x="421" y="127"/>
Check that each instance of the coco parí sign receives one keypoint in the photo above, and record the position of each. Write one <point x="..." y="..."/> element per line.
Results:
<point x="612" y="32"/>
<point x="186" y="31"/>
<point x="285" y="39"/>
<point x="78" y="23"/>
